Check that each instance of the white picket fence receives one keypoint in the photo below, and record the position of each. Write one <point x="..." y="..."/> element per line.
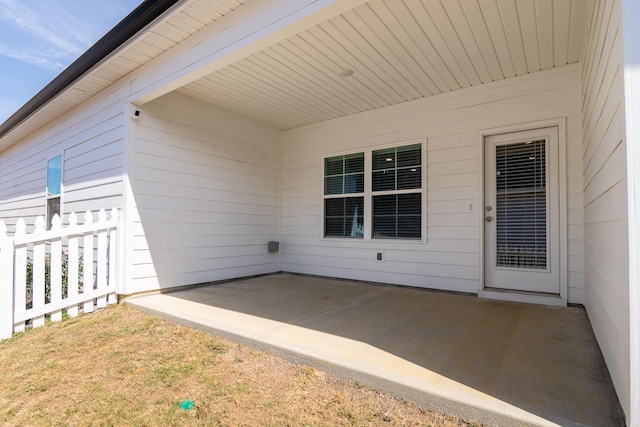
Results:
<point x="72" y="268"/>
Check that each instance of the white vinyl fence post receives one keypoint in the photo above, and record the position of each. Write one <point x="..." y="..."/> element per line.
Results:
<point x="39" y="269"/>
<point x="20" y="280"/>
<point x="101" y="269"/>
<point x="6" y="283"/>
<point x="72" y="265"/>
<point x="113" y="245"/>
<point x="87" y="269"/>
<point x="55" y="272"/>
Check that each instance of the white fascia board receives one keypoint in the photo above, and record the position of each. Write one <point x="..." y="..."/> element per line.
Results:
<point x="254" y="26"/>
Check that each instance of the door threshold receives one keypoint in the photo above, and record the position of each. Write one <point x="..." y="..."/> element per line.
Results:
<point x="522" y="296"/>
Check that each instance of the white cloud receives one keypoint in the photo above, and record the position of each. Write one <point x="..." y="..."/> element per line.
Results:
<point x="42" y="61"/>
<point x="40" y="33"/>
<point x="40" y="38"/>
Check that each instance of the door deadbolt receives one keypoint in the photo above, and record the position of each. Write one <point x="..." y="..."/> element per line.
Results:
<point x="488" y="208"/>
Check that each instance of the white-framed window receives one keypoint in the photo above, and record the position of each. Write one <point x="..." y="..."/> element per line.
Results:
<point x="54" y="188"/>
<point x="397" y="192"/>
<point x="375" y="194"/>
<point x="344" y="195"/>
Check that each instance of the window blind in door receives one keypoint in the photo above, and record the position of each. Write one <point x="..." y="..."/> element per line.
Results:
<point x="521" y="205"/>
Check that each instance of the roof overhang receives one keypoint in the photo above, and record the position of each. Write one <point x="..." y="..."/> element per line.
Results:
<point x="301" y="74"/>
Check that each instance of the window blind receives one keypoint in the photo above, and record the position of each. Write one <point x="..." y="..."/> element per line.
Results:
<point x="397" y="216"/>
<point x="521" y="205"/>
<point x="397" y="210"/>
<point x="344" y="216"/>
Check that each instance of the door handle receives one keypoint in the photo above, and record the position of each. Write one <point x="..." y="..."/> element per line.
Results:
<point x="488" y="218"/>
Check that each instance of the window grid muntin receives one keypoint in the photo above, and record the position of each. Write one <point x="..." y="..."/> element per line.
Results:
<point x="399" y="159"/>
<point x="344" y="180"/>
<point x="346" y="172"/>
<point x="418" y="147"/>
<point x="344" y="217"/>
<point x="406" y="219"/>
<point x="391" y="163"/>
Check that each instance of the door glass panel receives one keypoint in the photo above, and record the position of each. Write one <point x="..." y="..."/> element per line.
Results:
<point x="521" y="205"/>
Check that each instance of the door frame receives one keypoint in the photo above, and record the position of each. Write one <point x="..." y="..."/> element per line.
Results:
<point x="520" y="296"/>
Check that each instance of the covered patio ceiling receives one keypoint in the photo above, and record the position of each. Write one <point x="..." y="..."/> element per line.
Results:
<point x="398" y="50"/>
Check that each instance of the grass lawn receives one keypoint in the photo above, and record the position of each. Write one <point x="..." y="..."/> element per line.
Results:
<point x="122" y="367"/>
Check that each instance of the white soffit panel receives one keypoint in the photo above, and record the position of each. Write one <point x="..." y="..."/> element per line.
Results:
<point x="399" y="50"/>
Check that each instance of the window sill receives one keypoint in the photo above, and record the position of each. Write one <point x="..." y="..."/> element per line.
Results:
<point x="376" y="241"/>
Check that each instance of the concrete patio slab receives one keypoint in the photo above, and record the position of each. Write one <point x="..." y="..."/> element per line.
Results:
<point x="496" y="362"/>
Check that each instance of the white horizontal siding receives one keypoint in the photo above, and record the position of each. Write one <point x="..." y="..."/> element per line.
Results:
<point x="451" y="123"/>
<point x="91" y="141"/>
<point x="606" y="254"/>
<point x="206" y="189"/>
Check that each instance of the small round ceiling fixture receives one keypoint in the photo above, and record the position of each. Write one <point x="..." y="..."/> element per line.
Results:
<point x="346" y="72"/>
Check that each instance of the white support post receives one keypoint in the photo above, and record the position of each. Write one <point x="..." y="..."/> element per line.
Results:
<point x="87" y="271"/>
<point x="20" y="290"/>
<point x="631" y="44"/>
<point x="6" y="283"/>
<point x="73" y="262"/>
<point x="38" y="273"/>
<point x="101" y="272"/>
<point x="55" y="273"/>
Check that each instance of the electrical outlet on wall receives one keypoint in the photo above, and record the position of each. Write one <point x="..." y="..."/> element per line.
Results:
<point x="380" y="256"/>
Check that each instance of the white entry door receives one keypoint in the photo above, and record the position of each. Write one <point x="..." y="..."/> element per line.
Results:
<point x="521" y="212"/>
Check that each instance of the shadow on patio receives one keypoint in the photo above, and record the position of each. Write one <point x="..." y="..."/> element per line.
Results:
<point x="496" y="362"/>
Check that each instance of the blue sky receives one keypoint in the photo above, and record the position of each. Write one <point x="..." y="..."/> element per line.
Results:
<point x="40" y="38"/>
